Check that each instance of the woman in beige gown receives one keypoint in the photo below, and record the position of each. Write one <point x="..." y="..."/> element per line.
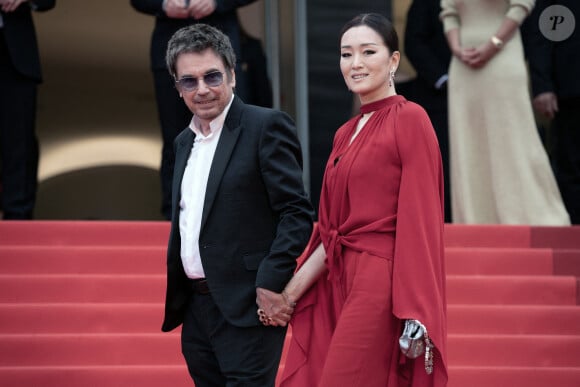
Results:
<point x="500" y="172"/>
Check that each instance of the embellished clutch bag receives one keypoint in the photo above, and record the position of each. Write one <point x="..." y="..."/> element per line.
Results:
<point x="415" y="341"/>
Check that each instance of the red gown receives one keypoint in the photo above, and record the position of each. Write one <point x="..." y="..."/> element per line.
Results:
<point x="381" y="223"/>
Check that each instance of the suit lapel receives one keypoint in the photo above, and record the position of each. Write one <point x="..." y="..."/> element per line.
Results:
<point x="223" y="152"/>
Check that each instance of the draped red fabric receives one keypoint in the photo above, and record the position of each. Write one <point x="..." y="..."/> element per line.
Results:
<point x="382" y="196"/>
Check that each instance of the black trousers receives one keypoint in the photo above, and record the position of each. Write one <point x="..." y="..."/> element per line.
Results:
<point x="221" y="354"/>
<point x="566" y="154"/>
<point x="18" y="143"/>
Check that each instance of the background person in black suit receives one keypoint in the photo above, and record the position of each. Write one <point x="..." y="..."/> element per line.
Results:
<point x="20" y="75"/>
<point x="254" y="66"/>
<point x="171" y="15"/>
<point x="240" y="218"/>
<point x="427" y="50"/>
<point x="556" y="95"/>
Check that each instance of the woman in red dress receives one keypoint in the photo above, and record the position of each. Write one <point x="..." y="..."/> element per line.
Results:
<point x="376" y="257"/>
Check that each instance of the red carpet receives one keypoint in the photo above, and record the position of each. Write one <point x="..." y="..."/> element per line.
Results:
<point x="81" y="305"/>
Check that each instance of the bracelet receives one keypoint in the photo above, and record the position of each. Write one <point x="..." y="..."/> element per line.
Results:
<point x="497" y="42"/>
<point x="287" y="299"/>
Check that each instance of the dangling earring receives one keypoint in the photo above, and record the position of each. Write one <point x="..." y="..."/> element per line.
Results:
<point x="391" y="78"/>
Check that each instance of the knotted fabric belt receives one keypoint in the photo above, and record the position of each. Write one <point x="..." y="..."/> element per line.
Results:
<point x="199" y="286"/>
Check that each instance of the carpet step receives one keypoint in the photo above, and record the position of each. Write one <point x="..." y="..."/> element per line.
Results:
<point x="81" y="318"/>
<point x="513" y="319"/>
<point x="156" y="232"/>
<point x="491" y="235"/>
<point x="83" y="259"/>
<point x="60" y="318"/>
<point x="164" y="349"/>
<point x="514" y="376"/>
<point x="177" y="376"/>
<point x="499" y="261"/>
<point x="97" y="376"/>
<point x="90" y="233"/>
<point x="151" y="260"/>
<point x="527" y="290"/>
<point x="514" y="350"/>
<point x="90" y="349"/>
<point x="521" y="290"/>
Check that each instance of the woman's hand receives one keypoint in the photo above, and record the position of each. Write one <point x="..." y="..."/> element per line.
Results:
<point x="477" y="57"/>
<point x="273" y="308"/>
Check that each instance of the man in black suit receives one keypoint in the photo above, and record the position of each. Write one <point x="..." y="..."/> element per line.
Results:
<point x="19" y="77"/>
<point x="556" y="93"/>
<point x="240" y="218"/>
<point x="171" y="15"/>
<point x="427" y="50"/>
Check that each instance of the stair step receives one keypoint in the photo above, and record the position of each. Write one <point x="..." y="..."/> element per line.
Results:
<point x="97" y="376"/>
<point x="90" y="233"/>
<point x="81" y="318"/>
<point x="526" y="290"/>
<point x="177" y="376"/>
<point x="147" y="317"/>
<point x="514" y="376"/>
<point x="164" y="349"/>
<point x="151" y="260"/>
<point x="514" y="350"/>
<point x="513" y="319"/>
<point x="519" y="290"/>
<point x="499" y="261"/>
<point x="83" y="259"/>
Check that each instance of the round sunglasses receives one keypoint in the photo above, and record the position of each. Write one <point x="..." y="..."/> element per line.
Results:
<point x="189" y="84"/>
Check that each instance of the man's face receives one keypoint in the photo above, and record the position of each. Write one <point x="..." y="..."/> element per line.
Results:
<point x="205" y="101"/>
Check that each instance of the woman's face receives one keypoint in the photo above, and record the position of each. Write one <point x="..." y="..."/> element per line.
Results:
<point x="365" y="62"/>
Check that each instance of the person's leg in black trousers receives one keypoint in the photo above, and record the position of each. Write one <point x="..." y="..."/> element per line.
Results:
<point x="18" y="142"/>
<point x="220" y="354"/>
<point x="567" y="155"/>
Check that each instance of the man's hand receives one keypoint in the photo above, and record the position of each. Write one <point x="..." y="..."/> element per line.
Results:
<point x="275" y="307"/>
<point x="546" y="104"/>
<point x="199" y="9"/>
<point x="176" y="9"/>
<point x="10" y="5"/>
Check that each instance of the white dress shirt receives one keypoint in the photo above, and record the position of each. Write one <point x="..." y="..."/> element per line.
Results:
<point x="193" y="187"/>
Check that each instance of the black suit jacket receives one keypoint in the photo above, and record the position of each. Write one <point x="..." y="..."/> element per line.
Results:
<point x="427" y="49"/>
<point x="20" y="37"/>
<point x="256" y="216"/>
<point x="553" y="65"/>
<point x="224" y="18"/>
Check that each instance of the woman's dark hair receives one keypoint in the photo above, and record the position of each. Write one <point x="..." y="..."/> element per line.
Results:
<point x="380" y="24"/>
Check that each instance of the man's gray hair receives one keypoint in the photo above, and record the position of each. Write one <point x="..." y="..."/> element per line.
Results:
<point x="197" y="38"/>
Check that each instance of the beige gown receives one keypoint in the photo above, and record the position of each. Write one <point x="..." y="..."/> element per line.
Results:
<point x="500" y="172"/>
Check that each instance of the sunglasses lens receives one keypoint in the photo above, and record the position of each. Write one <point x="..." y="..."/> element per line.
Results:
<point x="187" y="83"/>
<point x="213" y="79"/>
<point x="190" y="84"/>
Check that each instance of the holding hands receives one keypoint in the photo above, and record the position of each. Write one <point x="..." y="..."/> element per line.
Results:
<point x="274" y="309"/>
<point x="183" y="9"/>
